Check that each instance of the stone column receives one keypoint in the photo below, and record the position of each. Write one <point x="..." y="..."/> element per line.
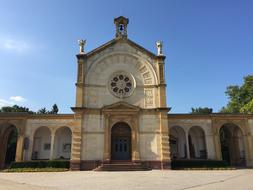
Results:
<point x="107" y="142"/>
<point x="30" y="148"/>
<point x="187" y="145"/>
<point x="248" y="141"/>
<point x="52" y="145"/>
<point x="217" y="146"/>
<point x="135" y="139"/>
<point x="19" y="149"/>
<point x="1" y="151"/>
<point x="210" y="146"/>
<point x="247" y="151"/>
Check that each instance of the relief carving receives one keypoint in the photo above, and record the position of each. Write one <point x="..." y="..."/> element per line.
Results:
<point x="143" y="69"/>
<point x="148" y="97"/>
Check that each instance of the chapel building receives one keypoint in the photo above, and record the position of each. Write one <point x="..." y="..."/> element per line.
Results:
<point x="121" y="116"/>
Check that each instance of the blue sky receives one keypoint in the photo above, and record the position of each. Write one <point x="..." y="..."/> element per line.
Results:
<point x="208" y="45"/>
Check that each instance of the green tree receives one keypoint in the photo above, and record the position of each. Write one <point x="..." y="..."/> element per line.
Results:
<point x="247" y="108"/>
<point x="54" y="109"/>
<point x="239" y="97"/>
<point x="15" y="108"/>
<point x="43" y="111"/>
<point x="201" y="110"/>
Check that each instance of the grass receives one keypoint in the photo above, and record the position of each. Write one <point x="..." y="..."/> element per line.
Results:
<point x="206" y="168"/>
<point x="36" y="170"/>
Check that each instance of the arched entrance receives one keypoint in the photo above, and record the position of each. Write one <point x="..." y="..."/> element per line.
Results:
<point x="62" y="144"/>
<point x="41" y="144"/>
<point x="121" y="142"/>
<point x="177" y="142"/>
<point x="9" y="145"/>
<point x="197" y="143"/>
<point x="232" y="146"/>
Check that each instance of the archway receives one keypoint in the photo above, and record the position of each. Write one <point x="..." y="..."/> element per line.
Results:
<point x="62" y="145"/>
<point x="41" y="144"/>
<point x="121" y="142"/>
<point x="232" y="145"/>
<point x="177" y="141"/>
<point x="9" y="145"/>
<point x="197" y="143"/>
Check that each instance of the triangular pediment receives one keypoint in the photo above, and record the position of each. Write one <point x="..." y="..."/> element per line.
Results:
<point x="115" y="41"/>
<point x="121" y="106"/>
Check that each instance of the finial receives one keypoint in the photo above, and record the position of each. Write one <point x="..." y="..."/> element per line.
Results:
<point x="159" y="45"/>
<point x="81" y="46"/>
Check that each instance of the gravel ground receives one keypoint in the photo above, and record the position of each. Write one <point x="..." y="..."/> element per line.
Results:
<point x="89" y="180"/>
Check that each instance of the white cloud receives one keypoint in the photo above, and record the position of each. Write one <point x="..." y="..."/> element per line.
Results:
<point x="5" y="103"/>
<point x="12" y="100"/>
<point x="14" y="45"/>
<point x="17" y="98"/>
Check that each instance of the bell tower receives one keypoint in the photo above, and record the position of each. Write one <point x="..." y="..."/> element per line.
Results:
<point x="121" y="27"/>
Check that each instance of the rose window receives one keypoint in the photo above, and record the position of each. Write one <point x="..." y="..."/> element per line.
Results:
<point x="121" y="85"/>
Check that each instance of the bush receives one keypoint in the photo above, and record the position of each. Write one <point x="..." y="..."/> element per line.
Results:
<point x="181" y="164"/>
<point x="41" y="164"/>
<point x="36" y="170"/>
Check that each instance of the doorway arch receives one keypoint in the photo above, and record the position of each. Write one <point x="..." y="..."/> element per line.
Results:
<point x="62" y="145"/>
<point x="9" y="145"/>
<point x="121" y="142"/>
<point x="41" y="144"/>
<point x="197" y="143"/>
<point x="177" y="142"/>
<point x="232" y="145"/>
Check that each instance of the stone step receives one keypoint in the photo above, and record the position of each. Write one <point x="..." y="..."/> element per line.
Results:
<point x="124" y="166"/>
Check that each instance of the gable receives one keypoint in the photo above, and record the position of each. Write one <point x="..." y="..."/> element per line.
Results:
<point x="120" y="106"/>
<point x="121" y="55"/>
<point x="111" y="43"/>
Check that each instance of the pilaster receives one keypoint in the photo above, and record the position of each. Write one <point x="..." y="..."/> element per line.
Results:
<point x="19" y="149"/>
<point x="75" y="160"/>
<point x="161" y="81"/>
<point x="107" y="143"/>
<point x="164" y="135"/>
<point x="52" y="145"/>
<point x="81" y="61"/>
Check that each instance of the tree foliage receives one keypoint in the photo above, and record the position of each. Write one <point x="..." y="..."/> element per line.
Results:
<point x="15" y="108"/>
<point x="201" y="110"/>
<point x="240" y="97"/>
<point x="247" y="108"/>
<point x="43" y="111"/>
<point x="54" y="110"/>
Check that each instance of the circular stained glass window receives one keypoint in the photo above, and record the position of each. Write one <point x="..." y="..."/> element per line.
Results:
<point x="121" y="84"/>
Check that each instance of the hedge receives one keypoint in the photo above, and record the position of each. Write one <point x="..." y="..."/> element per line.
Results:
<point x="41" y="164"/>
<point x="36" y="170"/>
<point x="181" y="164"/>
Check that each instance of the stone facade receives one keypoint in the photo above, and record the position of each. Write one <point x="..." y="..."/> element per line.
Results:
<point x="121" y="87"/>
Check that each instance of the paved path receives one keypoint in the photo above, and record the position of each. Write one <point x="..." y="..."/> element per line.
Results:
<point x="89" y="180"/>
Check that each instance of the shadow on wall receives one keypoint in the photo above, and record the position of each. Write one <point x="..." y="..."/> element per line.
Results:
<point x="8" y="144"/>
<point x="149" y="151"/>
<point x="196" y="142"/>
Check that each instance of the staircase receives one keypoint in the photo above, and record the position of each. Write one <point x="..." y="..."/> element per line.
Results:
<point x="122" y="166"/>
